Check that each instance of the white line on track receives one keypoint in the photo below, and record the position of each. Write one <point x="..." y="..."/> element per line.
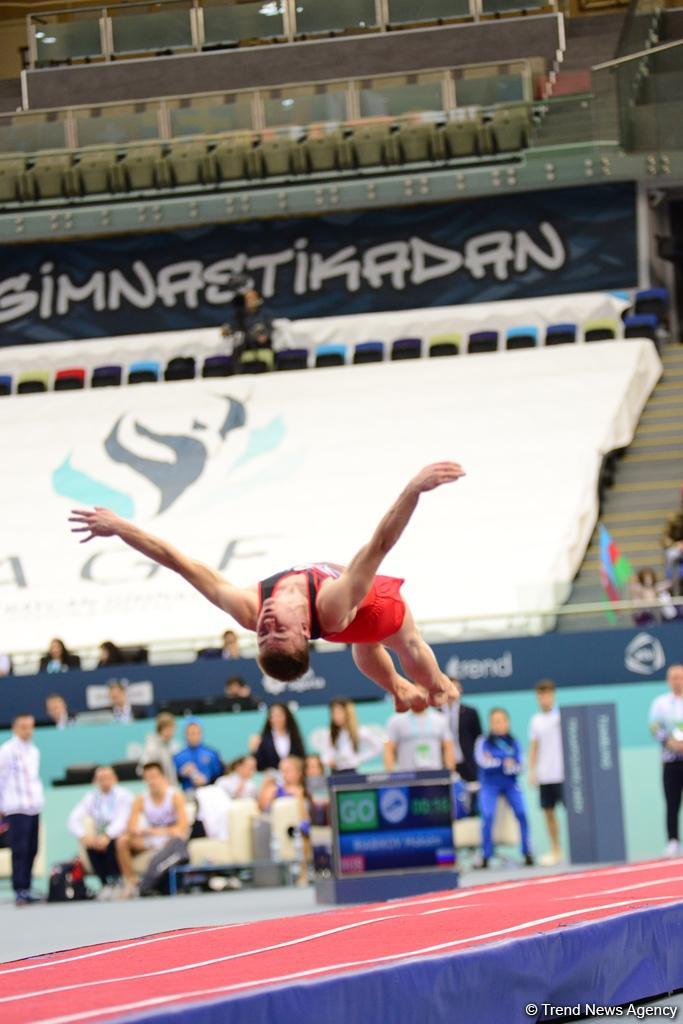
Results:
<point x="236" y="986"/>
<point x="625" y="888"/>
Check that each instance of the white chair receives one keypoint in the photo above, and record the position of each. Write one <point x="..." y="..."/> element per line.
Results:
<point x="238" y="847"/>
<point x="39" y="864"/>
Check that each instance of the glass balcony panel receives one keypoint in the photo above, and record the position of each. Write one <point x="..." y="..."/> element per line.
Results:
<point x="485" y="91"/>
<point x="395" y="100"/>
<point x="230" y="24"/>
<point x="212" y="117"/>
<point x="149" y="32"/>
<point x="403" y="12"/>
<point x="502" y="6"/>
<point x="314" y="16"/>
<point x="111" y="125"/>
<point x="29" y="133"/>
<point x="59" y="41"/>
<point x="304" y="106"/>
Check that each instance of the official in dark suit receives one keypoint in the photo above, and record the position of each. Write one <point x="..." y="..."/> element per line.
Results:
<point x="465" y="727"/>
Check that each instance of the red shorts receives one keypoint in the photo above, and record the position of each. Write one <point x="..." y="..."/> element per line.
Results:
<point x="379" y="615"/>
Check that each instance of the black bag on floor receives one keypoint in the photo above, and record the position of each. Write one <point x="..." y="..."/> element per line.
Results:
<point x="67" y="882"/>
<point x="155" y="878"/>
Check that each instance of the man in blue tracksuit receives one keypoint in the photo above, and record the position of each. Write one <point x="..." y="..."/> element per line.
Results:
<point x="500" y="760"/>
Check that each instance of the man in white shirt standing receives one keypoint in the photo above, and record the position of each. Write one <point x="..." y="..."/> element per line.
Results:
<point x="21" y="801"/>
<point x="106" y="808"/>
<point x="666" y="725"/>
<point x="546" y="763"/>
<point x="419" y="740"/>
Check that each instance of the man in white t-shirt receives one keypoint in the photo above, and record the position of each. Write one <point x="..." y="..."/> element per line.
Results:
<point x="418" y="740"/>
<point x="546" y="763"/>
<point x="666" y="725"/>
<point x="21" y="801"/>
<point x="107" y="807"/>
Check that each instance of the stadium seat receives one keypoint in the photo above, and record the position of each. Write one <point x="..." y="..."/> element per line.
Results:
<point x="70" y="380"/>
<point x="521" y="337"/>
<point x="373" y="145"/>
<point x="406" y="348"/>
<point x="461" y="136"/>
<point x="146" y="372"/>
<point x="510" y="127"/>
<point x="650" y="300"/>
<point x="483" y="341"/>
<point x="218" y="366"/>
<point x="106" y="377"/>
<point x="560" y="334"/>
<point x="642" y="325"/>
<point x="444" y="345"/>
<point x="281" y="156"/>
<point x="231" y="160"/>
<point x="600" y="330"/>
<point x="48" y="176"/>
<point x="180" y="368"/>
<point x="94" y="172"/>
<point x="5" y="384"/>
<point x="185" y="161"/>
<point x="291" y="359"/>
<point x="11" y="173"/>
<point x="143" y="167"/>
<point x="256" y="360"/>
<point x="419" y="142"/>
<point x="32" y="381"/>
<point x="369" y="352"/>
<point x="327" y="151"/>
<point x="330" y="355"/>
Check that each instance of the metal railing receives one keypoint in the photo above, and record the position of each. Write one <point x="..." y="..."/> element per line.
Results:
<point x="489" y="625"/>
<point x="107" y="31"/>
<point x="430" y="94"/>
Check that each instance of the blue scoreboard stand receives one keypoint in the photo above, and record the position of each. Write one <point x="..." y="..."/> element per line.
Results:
<point x="392" y="836"/>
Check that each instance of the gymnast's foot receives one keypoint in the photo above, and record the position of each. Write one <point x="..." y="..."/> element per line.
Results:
<point x="408" y="697"/>
<point x="443" y="692"/>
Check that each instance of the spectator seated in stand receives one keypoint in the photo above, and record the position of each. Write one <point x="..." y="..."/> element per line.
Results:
<point x="58" y="658"/>
<point x="672" y="542"/>
<point x="229" y="651"/>
<point x="110" y="654"/>
<point x="158" y="826"/>
<point x="122" y="710"/>
<point x="238" y="782"/>
<point x="290" y="781"/>
<point x="237" y="695"/>
<point x="346" y="744"/>
<point x="314" y="767"/>
<point x="418" y="740"/>
<point x="161" y="746"/>
<point x="57" y="711"/>
<point x="98" y="820"/>
<point x="279" y="738"/>
<point x="500" y="760"/>
<point x="255" y="326"/>
<point x="196" y="764"/>
<point x="646" y="587"/>
<point x="6" y="667"/>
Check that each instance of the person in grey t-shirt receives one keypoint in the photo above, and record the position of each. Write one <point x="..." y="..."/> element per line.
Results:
<point x="418" y="740"/>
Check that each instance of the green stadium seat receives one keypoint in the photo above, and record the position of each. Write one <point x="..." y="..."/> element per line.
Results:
<point x="444" y="345"/>
<point x="94" y="171"/>
<point x="420" y="142"/>
<point x="278" y="156"/>
<point x="256" y="360"/>
<point x="461" y="136"/>
<point x="511" y="128"/>
<point x="12" y="167"/>
<point x="50" y="174"/>
<point x="327" y="151"/>
<point x="373" y="145"/>
<point x="185" y="161"/>
<point x="230" y="160"/>
<point x="33" y="381"/>
<point x="601" y="330"/>
<point x="143" y="167"/>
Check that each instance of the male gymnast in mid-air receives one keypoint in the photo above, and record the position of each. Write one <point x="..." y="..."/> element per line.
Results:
<point x="349" y="604"/>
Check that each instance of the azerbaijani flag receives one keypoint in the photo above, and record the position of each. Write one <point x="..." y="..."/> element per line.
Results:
<point x="615" y="569"/>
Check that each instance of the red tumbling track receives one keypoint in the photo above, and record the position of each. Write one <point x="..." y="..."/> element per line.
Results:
<point x="186" y="967"/>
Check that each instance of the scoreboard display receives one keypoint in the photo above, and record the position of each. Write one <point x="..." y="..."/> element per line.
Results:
<point x="403" y="822"/>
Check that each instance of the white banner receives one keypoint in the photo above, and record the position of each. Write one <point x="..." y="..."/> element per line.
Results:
<point x="254" y="474"/>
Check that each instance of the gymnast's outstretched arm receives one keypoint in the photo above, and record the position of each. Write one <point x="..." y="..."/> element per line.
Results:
<point x="338" y="599"/>
<point x="101" y="522"/>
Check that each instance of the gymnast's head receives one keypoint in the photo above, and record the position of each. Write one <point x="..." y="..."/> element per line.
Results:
<point x="282" y="637"/>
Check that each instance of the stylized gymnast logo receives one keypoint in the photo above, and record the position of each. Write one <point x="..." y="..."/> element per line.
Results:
<point x="393" y="804"/>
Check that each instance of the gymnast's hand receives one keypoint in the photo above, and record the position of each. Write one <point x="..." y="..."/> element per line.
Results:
<point x="102" y="522"/>
<point x="435" y="475"/>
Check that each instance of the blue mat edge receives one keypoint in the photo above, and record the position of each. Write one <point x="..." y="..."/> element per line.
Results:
<point x="626" y="958"/>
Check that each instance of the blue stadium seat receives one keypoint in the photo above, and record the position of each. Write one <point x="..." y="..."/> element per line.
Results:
<point x="330" y="355"/>
<point x="5" y="384"/>
<point x="521" y="337"/>
<point x="106" y="377"/>
<point x="218" y="366"/>
<point x="146" y="372"/>
<point x="180" y="368"/>
<point x="653" y="300"/>
<point x="483" y="341"/>
<point x="643" y="325"/>
<point x="369" y="352"/>
<point x="560" y="334"/>
<point x="406" y="348"/>
<point x="291" y="359"/>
